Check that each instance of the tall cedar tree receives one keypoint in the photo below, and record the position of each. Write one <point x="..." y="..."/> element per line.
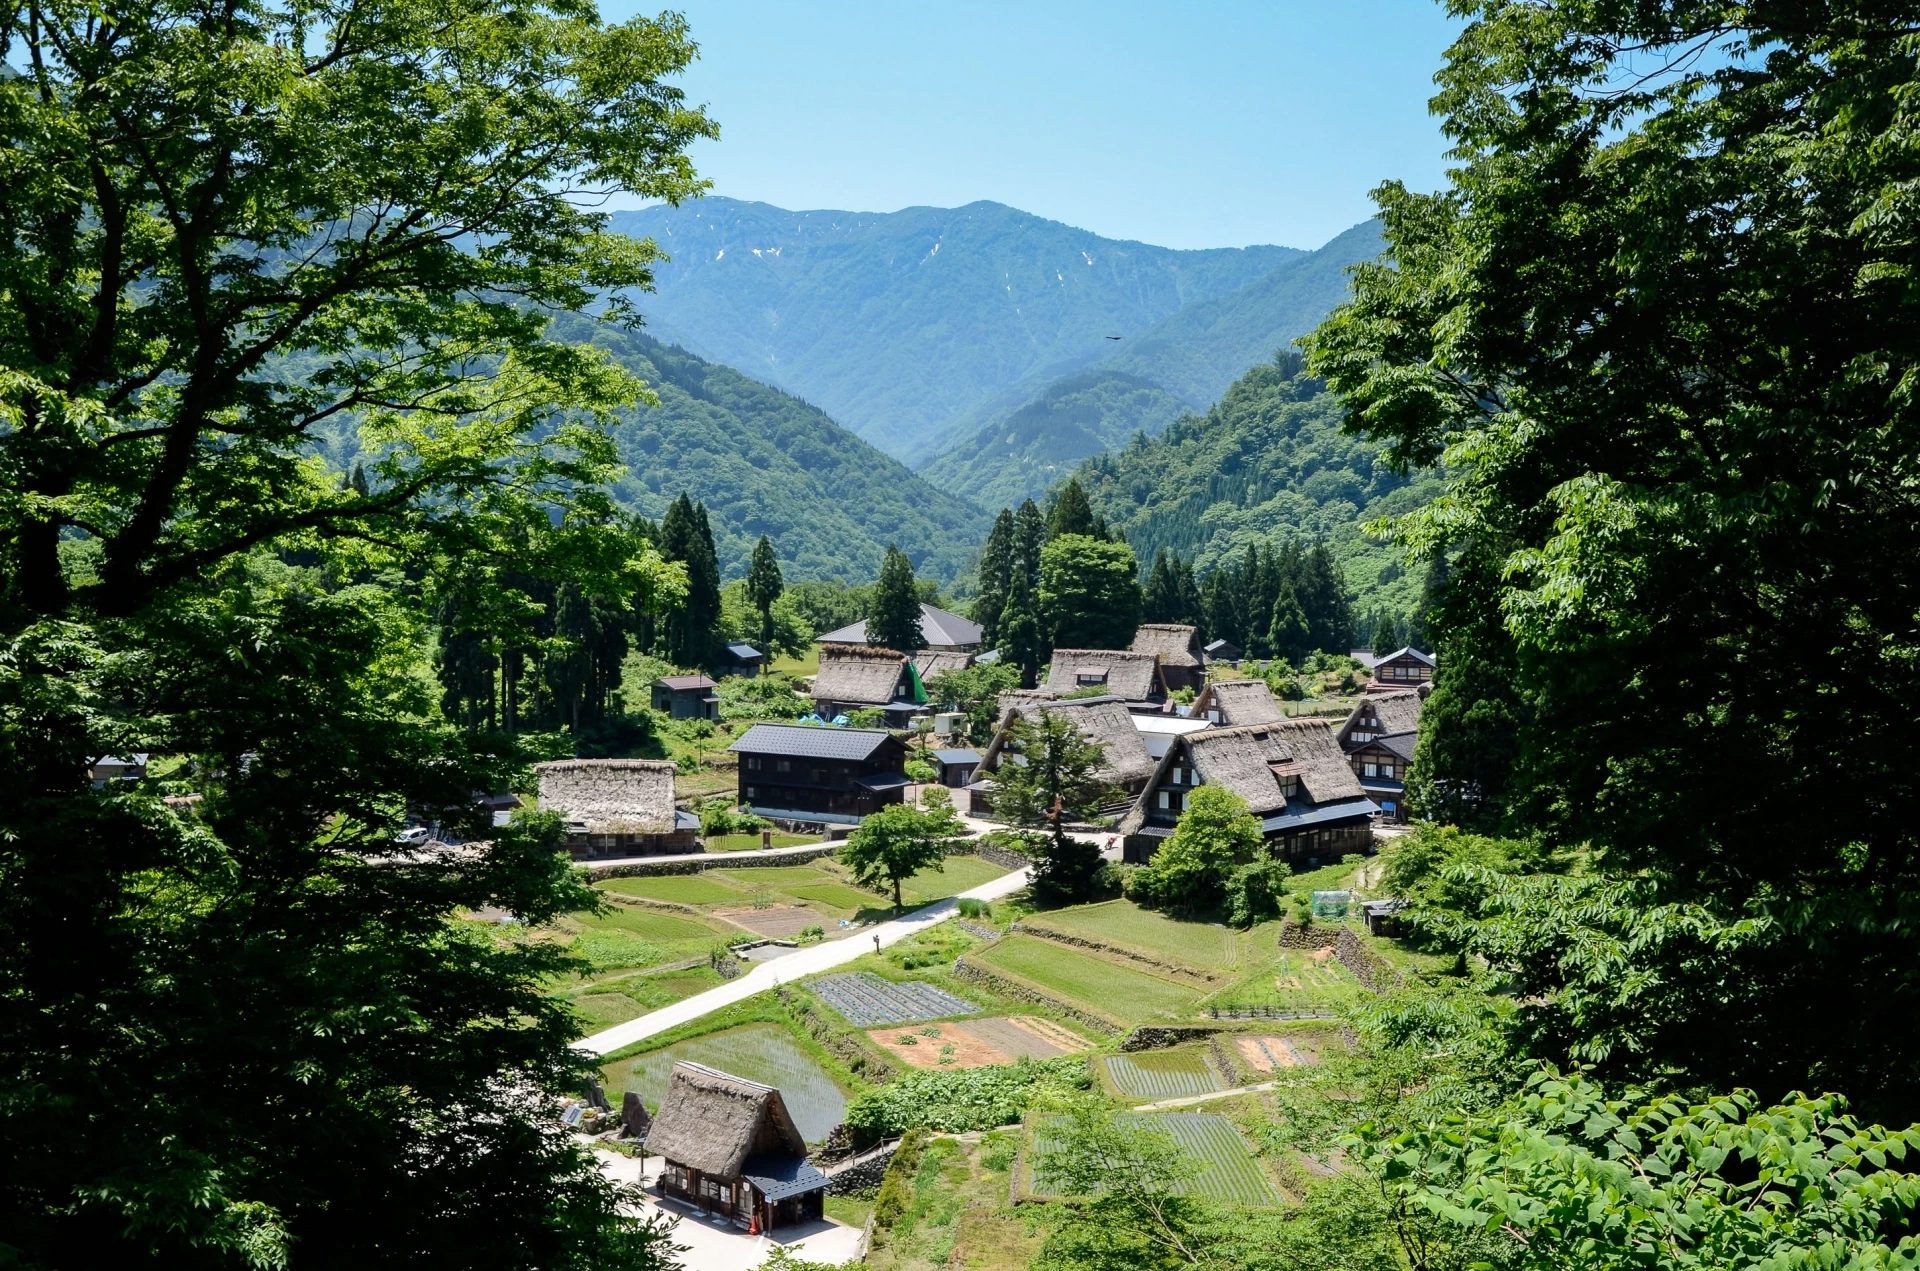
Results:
<point x="1665" y="322"/>
<point x="1060" y="777"/>
<point x="995" y="576"/>
<point x="244" y="1034"/>
<point x="1288" y="635"/>
<point x="685" y="536"/>
<point x="1072" y="514"/>
<point x="893" y="618"/>
<point x="1021" y="638"/>
<point x="1170" y="595"/>
<point x="1386" y="636"/>
<point x="764" y="586"/>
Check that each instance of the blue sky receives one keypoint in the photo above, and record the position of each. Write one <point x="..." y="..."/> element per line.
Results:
<point x="1190" y="125"/>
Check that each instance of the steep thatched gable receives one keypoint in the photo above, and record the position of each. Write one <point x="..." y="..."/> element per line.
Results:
<point x="1173" y="643"/>
<point x="1237" y="702"/>
<point x="858" y="674"/>
<point x="1104" y="720"/>
<point x="611" y="796"/>
<point x="712" y="1121"/>
<point x="1120" y="672"/>
<point x="1380" y="714"/>
<point x="1253" y="760"/>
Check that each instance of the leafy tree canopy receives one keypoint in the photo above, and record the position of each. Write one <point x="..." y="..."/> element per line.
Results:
<point x="899" y="841"/>
<point x="1089" y="592"/>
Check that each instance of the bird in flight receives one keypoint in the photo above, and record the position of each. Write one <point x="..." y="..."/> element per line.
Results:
<point x="1113" y="337"/>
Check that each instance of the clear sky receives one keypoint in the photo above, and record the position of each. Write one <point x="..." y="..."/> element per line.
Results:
<point x="1199" y="124"/>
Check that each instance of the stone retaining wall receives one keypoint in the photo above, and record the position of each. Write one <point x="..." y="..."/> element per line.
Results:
<point x="1154" y="1036"/>
<point x="1005" y="857"/>
<point x="1373" y="971"/>
<point x="712" y="860"/>
<point x="1021" y="992"/>
<point x="1318" y="936"/>
<point x="1186" y="973"/>
<point x="838" y="1044"/>
<point x="862" y="1174"/>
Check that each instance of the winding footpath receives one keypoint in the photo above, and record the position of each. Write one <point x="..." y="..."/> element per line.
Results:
<point x="803" y="962"/>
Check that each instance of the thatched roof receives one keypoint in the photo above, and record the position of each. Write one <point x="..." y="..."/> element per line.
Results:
<point x="858" y="674"/>
<point x="1238" y="702"/>
<point x="611" y="796"/>
<point x="930" y="662"/>
<point x="1175" y="644"/>
<point x="1104" y="720"/>
<point x="1122" y="672"/>
<point x="1245" y="759"/>
<point x="713" y="1121"/>
<point x="1382" y="712"/>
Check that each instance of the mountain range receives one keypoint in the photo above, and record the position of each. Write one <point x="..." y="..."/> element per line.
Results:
<point x="900" y="325"/>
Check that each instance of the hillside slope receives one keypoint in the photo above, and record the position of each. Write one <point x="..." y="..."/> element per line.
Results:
<point x="1187" y="359"/>
<point x="897" y="323"/>
<point x="767" y="463"/>
<point x="1269" y="460"/>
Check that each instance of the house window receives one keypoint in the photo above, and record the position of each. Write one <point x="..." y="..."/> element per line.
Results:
<point x="752" y="793"/>
<point x="1369" y="769"/>
<point x="1386" y="770"/>
<point x="1087" y="678"/>
<point x="1164" y="800"/>
<point x="783" y="765"/>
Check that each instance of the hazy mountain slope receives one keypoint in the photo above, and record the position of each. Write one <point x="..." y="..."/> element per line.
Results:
<point x="1027" y="443"/>
<point x="1028" y="449"/>
<point x="766" y="463"/>
<point x="1268" y="460"/>
<point x="898" y="323"/>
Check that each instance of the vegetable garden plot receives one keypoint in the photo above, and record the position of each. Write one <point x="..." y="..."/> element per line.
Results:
<point x="1228" y="1171"/>
<point x="866" y="999"/>
<point x="1161" y="1074"/>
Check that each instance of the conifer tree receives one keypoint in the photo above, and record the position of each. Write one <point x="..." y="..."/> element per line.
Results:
<point x="996" y="562"/>
<point x="764" y="586"/>
<point x="686" y="537"/>
<point x="1029" y="536"/>
<point x="1323" y="597"/>
<point x="1071" y="513"/>
<point x="1386" y="636"/>
<point x="1287" y="630"/>
<point x="893" y="618"/>
<point x="1160" y="601"/>
<point x="1020" y="635"/>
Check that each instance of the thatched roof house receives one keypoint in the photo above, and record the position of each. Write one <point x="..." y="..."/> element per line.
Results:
<point x="931" y="662"/>
<point x="1379" y="737"/>
<point x="1133" y="677"/>
<point x="1235" y="702"/>
<point x="732" y="1148"/>
<point x="1177" y="647"/>
<point x="1382" y="713"/>
<point x="617" y="807"/>
<point x="1292" y="775"/>
<point x="1103" y="720"/>
<point x="860" y="677"/>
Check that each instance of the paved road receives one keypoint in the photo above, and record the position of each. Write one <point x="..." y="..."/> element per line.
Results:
<point x="808" y="961"/>
<point x="719" y="860"/>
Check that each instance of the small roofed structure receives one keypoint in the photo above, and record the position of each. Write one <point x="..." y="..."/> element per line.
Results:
<point x="739" y="659"/>
<point x="109" y="768"/>
<point x="1133" y="677"/>
<point x="1231" y="703"/>
<point x="955" y="767"/>
<point x="867" y="677"/>
<point x="1404" y="668"/>
<point x="617" y="807"/>
<point x="732" y="1148"/>
<point x="686" y="697"/>
<point x="931" y="662"/>
<point x="1291" y="774"/>
<point x="1103" y="720"/>
<point x="1221" y="651"/>
<point x="1177" y="646"/>
<point x="943" y="632"/>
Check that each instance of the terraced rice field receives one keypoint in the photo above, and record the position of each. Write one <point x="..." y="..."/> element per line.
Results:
<point x="765" y="1053"/>
<point x="866" y="1000"/>
<point x="1161" y="1074"/>
<point x="681" y="889"/>
<point x="957" y="874"/>
<point x="662" y="928"/>
<point x="1228" y="1171"/>
<point x="1197" y="944"/>
<point x="838" y="896"/>
<point x="1113" y="990"/>
<point x="779" y="877"/>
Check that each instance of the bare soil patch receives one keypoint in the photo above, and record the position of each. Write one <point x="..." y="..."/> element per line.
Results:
<point x="938" y="1046"/>
<point x="781" y="921"/>
<point x="1026" y="1036"/>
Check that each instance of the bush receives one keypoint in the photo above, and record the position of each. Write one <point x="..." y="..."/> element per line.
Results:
<point x="872" y="717"/>
<point x="970" y="907"/>
<point x="957" y="1100"/>
<point x="610" y="949"/>
<point x="920" y="770"/>
<point x="769" y="696"/>
<point x="1256" y="891"/>
<point x="815" y="932"/>
<point x="718" y="816"/>
<point x="896" y="1186"/>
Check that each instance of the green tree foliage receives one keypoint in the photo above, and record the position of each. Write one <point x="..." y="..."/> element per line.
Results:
<point x="995" y="579"/>
<point x="955" y="1100"/>
<point x="1681" y="509"/>
<point x="975" y="691"/>
<point x="764" y="587"/>
<point x="1256" y="891"/>
<point x="899" y="841"/>
<point x="1386" y="636"/>
<point x="1128" y="1177"/>
<point x="1050" y="772"/>
<point x="1289" y="635"/>
<point x="1270" y="463"/>
<point x="1070" y="513"/>
<point x="1189" y="872"/>
<point x="740" y="620"/>
<point x="1089" y="592"/>
<point x="692" y="630"/>
<point x="893" y="615"/>
<point x="828" y="606"/>
<point x="246" y="1033"/>
<point x="1170" y="594"/>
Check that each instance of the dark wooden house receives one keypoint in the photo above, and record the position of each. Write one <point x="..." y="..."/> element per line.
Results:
<point x="1379" y="738"/>
<point x="1221" y="651"/>
<point x="732" y="1149"/>
<point x="1177" y="648"/>
<point x="686" y="697"/>
<point x="1292" y="775"/>
<point x="617" y="807"/>
<point x="1404" y="668"/>
<point x="821" y="776"/>
<point x="956" y="767"/>
<point x="739" y="659"/>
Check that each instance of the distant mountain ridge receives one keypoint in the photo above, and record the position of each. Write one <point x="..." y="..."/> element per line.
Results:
<point x="1023" y="441"/>
<point x="898" y="324"/>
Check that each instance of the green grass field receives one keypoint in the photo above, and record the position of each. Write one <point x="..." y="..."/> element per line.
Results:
<point x="777" y="877"/>
<point x="837" y="896"/>
<point x="661" y="928"/>
<point x="1161" y="1074"/>
<point x="957" y="874"/>
<point x="683" y="889"/>
<point x="1122" y="922"/>
<point x="1296" y="983"/>
<point x="750" y="842"/>
<point x="1113" y="990"/>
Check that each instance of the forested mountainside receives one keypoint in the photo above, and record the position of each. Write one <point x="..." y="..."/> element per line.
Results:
<point x="765" y="462"/>
<point x="1269" y="459"/>
<point x="897" y="324"/>
<point x="1018" y="456"/>
<point x="1187" y="359"/>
